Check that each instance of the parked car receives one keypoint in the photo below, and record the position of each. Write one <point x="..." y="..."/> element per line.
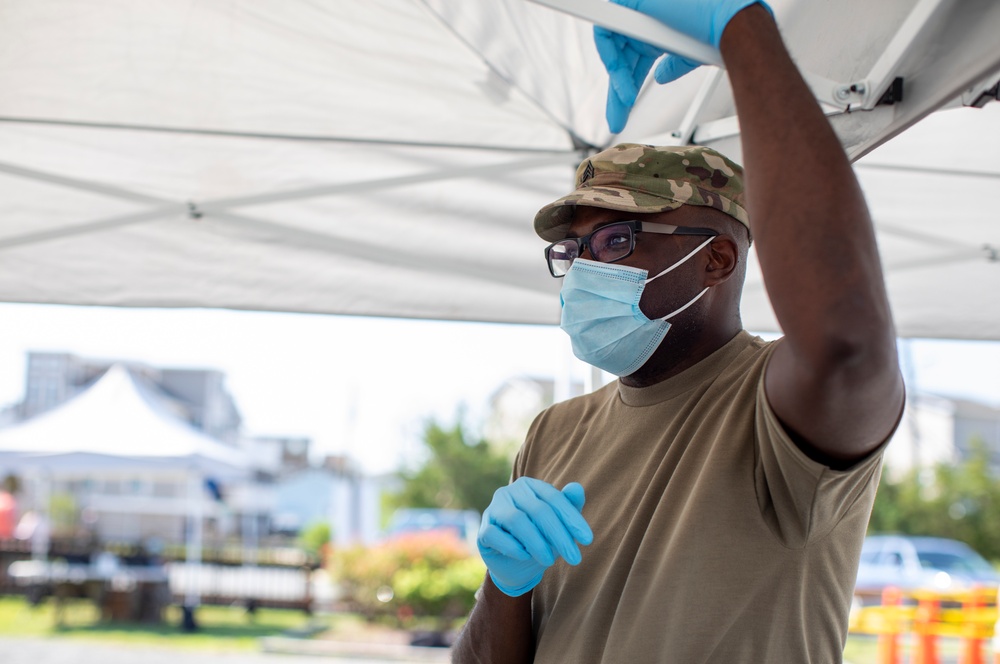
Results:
<point x="463" y="524"/>
<point x="911" y="563"/>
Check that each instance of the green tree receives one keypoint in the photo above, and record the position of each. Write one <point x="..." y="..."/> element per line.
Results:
<point x="315" y="536"/>
<point x="461" y="472"/>
<point x="959" y="502"/>
<point x="64" y="513"/>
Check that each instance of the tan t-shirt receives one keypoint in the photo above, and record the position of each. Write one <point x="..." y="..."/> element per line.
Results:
<point x="715" y="538"/>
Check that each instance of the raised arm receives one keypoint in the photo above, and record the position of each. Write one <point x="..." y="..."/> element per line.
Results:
<point x="833" y="380"/>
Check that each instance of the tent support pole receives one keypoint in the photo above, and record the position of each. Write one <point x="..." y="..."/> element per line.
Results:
<point x="705" y="92"/>
<point x="926" y="14"/>
<point x="634" y="24"/>
<point x="193" y="559"/>
<point x="42" y="535"/>
<point x="379" y="184"/>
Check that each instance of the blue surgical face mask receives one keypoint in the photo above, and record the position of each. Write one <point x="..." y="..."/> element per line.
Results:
<point x="601" y="315"/>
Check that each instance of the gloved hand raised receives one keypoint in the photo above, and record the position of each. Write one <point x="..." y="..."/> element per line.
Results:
<point x="527" y="525"/>
<point x="629" y="60"/>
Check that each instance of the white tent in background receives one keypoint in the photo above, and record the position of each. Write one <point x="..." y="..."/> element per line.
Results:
<point x="386" y="157"/>
<point x="116" y="424"/>
<point x="118" y="428"/>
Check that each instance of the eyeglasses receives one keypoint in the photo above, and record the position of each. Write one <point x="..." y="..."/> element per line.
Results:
<point x="609" y="243"/>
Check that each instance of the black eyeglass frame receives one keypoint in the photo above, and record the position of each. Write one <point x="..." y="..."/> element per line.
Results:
<point x="636" y="226"/>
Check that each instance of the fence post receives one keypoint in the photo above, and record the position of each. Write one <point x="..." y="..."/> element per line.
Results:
<point x="927" y="615"/>
<point x="888" y="641"/>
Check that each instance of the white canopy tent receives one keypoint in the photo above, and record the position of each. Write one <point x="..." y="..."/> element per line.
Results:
<point x="117" y="425"/>
<point x="386" y="158"/>
<point x="118" y="429"/>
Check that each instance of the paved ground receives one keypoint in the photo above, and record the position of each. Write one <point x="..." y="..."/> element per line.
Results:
<point x="72" y="651"/>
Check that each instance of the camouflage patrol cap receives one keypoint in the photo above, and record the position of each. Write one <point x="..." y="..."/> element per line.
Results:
<point x="645" y="178"/>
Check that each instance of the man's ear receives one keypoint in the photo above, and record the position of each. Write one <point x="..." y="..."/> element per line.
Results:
<point x="723" y="259"/>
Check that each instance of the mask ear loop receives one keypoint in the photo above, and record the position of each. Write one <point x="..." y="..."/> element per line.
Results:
<point x="696" y="298"/>
<point x="678" y="263"/>
<point x="683" y="260"/>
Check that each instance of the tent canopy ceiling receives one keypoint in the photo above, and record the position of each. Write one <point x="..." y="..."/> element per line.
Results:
<point x="386" y="158"/>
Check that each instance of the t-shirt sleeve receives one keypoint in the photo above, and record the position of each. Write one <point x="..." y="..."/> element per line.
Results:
<point x="517" y="470"/>
<point x="801" y="499"/>
<point x="524" y="454"/>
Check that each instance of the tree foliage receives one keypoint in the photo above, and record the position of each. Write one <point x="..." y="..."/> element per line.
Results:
<point x="315" y="536"/>
<point x="460" y="472"/>
<point x="955" y="501"/>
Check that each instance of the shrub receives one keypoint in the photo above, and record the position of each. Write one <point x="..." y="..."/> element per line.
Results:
<point x="425" y="577"/>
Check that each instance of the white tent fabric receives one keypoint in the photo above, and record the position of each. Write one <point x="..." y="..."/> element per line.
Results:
<point x="386" y="158"/>
<point x="115" y="424"/>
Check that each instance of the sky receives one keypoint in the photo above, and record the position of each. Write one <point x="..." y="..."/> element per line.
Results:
<point x="365" y="386"/>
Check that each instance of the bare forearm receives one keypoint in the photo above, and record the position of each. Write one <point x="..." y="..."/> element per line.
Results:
<point x="810" y="221"/>
<point x="499" y="630"/>
<point x="834" y="381"/>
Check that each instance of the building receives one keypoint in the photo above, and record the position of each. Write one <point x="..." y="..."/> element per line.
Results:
<point x="516" y="403"/>
<point x="336" y="493"/>
<point x="277" y="456"/>
<point x="936" y="429"/>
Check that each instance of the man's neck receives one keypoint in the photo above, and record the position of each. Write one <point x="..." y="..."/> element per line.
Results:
<point x="677" y="354"/>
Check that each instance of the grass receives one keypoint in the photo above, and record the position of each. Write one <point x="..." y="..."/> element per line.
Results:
<point x="231" y="629"/>
<point x="220" y="628"/>
<point x="863" y="649"/>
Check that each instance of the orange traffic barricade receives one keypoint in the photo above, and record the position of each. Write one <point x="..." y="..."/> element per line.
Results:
<point x="888" y="641"/>
<point x="928" y="608"/>
<point x="966" y="617"/>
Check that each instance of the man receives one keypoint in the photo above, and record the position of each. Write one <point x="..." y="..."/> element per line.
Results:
<point x="728" y="481"/>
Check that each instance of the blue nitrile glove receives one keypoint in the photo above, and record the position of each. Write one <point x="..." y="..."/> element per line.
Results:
<point x="527" y="525"/>
<point x="629" y="60"/>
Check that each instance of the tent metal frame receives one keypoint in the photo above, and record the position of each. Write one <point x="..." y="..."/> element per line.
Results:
<point x="220" y="208"/>
<point x="862" y="95"/>
<point x="639" y="26"/>
<point x="844" y="97"/>
<point x="942" y="49"/>
<point x="970" y="80"/>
